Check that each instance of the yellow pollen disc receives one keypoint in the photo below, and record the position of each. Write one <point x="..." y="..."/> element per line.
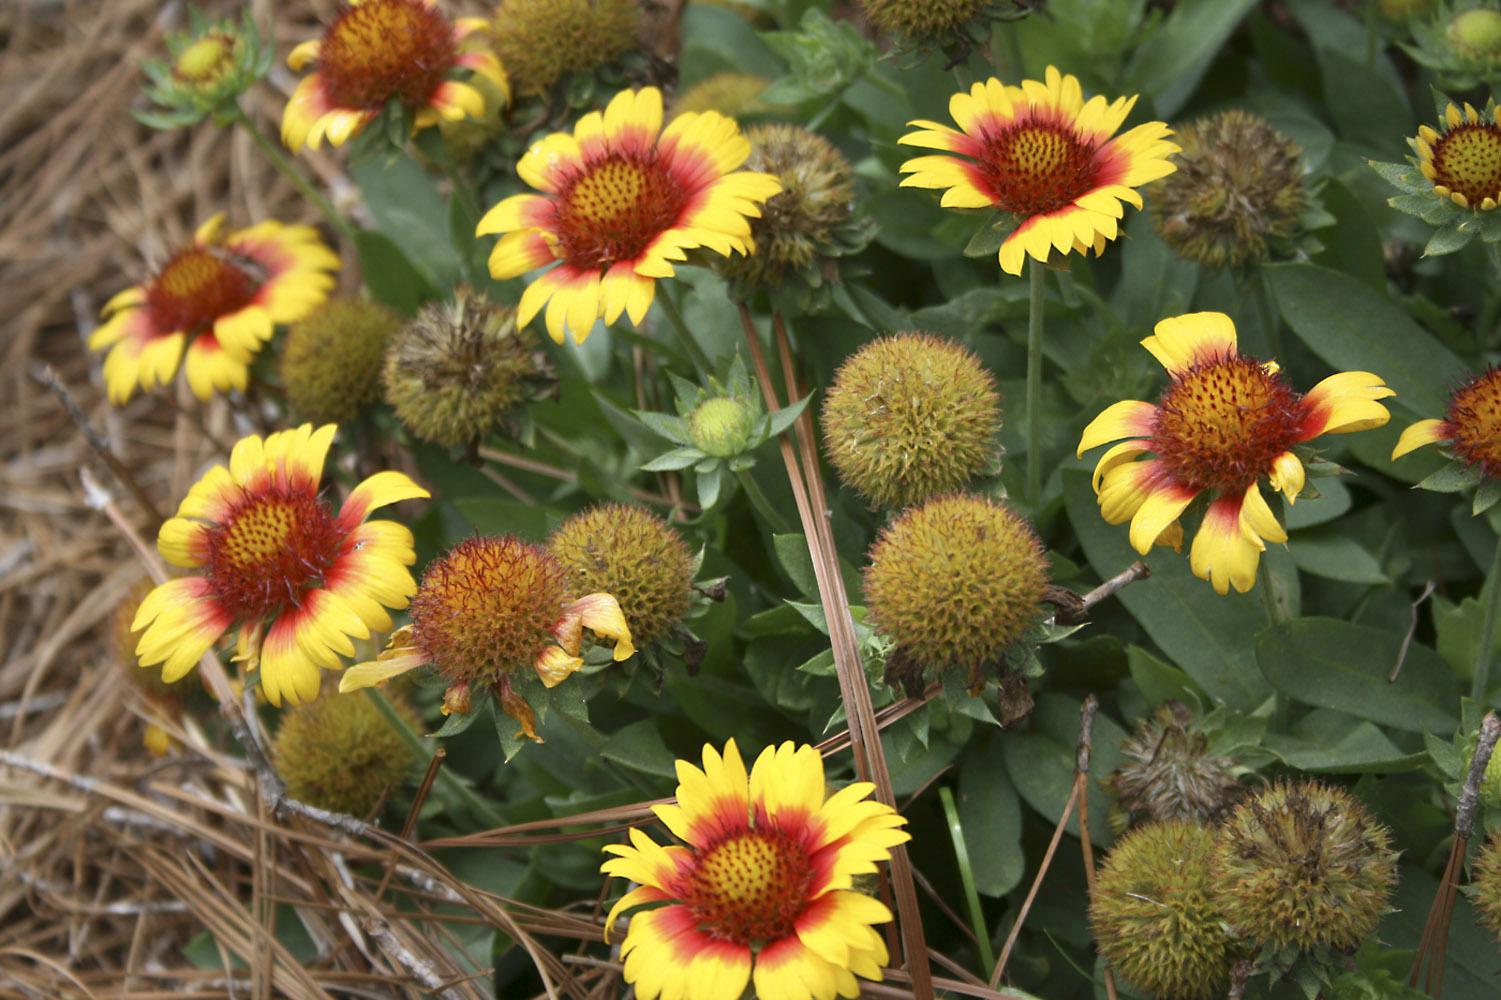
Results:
<point x="257" y="533"/>
<point x="607" y="192"/>
<point x="1040" y="151"/>
<point x="204" y="59"/>
<point x="742" y="872"/>
<point x="190" y="273"/>
<point x="1467" y="160"/>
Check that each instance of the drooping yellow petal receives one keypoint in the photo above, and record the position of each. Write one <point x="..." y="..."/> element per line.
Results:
<point x="1424" y="432"/>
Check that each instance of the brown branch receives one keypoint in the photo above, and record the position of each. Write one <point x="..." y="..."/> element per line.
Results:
<point x="1082" y="756"/>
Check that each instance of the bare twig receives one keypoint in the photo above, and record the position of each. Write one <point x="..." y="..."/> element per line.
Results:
<point x="1136" y="571"/>
<point x="1082" y="755"/>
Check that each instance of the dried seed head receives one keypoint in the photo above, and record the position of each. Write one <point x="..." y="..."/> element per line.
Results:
<point x="1169" y="773"/>
<point x="340" y="753"/>
<point x="540" y="42"/>
<point x="330" y="366"/>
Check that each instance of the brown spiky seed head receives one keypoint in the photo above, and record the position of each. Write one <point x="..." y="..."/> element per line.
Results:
<point x="1304" y="865"/>
<point x="1168" y="773"/>
<point x="1154" y="914"/>
<point x="735" y="95"/>
<point x="1485" y="885"/>
<point x="1236" y="193"/>
<point x="629" y="552"/>
<point x="340" y="753"/>
<point x="488" y="608"/>
<point x="911" y="416"/>
<point x="540" y="42"/>
<point x="797" y="225"/>
<point x="921" y="20"/>
<point x="956" y="581"/>
<point x="458" y="368"/>
<point x="330" y="365"/>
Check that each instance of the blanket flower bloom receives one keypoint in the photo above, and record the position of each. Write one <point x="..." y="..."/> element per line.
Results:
<point x="621" y="200"/>
<point x="273" y="556"/>
<point x="220" y="298"/>
<point x="1045" y="155"/>
<point x="1463" y="162"/>
<point x="762" y="891"/>
<point x="1471" y="428"/>
<point x="493" y="606"/>
<point x="378" y="51"/>
<point x="1223" y="423"/>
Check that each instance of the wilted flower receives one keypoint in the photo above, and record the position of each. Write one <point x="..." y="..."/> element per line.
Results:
<point x="1169" y="773"/>
<point x="331" y="361"/>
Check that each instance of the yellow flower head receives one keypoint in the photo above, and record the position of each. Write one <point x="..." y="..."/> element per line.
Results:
<point x="763" y="890"/>
<point x="1471" y="428"/>
<point x="378" y="51"/>
<point x="274" y="558"/>
<point x="1045" y="155"/>
<point x="1464" y="160"/>
<point x="1224" y="422"/>
<point x="219" y="297"/>
<point x="621" y="200"/>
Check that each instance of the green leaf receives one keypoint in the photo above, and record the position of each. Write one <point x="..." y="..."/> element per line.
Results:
<point x="389" y="276"/>
<point x="1169" y="66"/>
<point x="988" y="238"/>
<point x="1449" y="239"/>
<point x="992" y="818"/>
<point x="1159" y="681"/>
<point x="1486" y="497"/>
<point x="787" y="415"/>
<point x="405" y="205"/>
<point x="674" y="429"/>
<point x="708" y="487"/>
<point x="1455" y="477"/>
<point x="506" y="517"/>
<point x="1334" y="664"/>
<point x="639" y="747"/>
<point x="792" y="553"/>
<point x="677" y="458"/>
<point x="1356" y="328"/>
<point x="1404" y="176"/>
<point x="1328" y="742"/>
<point x="1040" y="760"/>
<point x="1333" y="555"/>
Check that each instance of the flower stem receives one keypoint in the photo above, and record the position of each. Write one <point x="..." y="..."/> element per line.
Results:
<point x="967" y="880"/>
<point x="762" y="503"/>
<point x="1480" y="685"/>
<point x="1269" y="591"/>
<point x="1034" y="385"/>
<point x="1266" y="311"/>
<point x="424" y="752"/>
<point x="685" y="336"/>
<point x="289" y="170"/>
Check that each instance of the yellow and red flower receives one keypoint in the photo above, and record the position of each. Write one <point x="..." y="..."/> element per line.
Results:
<point x="220" y="297"/>
<point x="492" y="606"/>
<point x="275" y="559"/>
<point x="1224" y="422"/>
<point x="621" y="200"/>
<point x="762" y="891"/>
<point x="378" y="51"/>
<point x="1045" y="155"/>
<point x="1463" y="162"/>
<point x="1471" y="428"/>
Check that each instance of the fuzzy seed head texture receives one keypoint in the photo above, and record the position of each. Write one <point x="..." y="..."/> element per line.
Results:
<point x="458" y="368"/>
<point x="1154" y="913"/>
<point x="629" y="552"/>
<point x="921" y="20"/>
<point x="1476" y="34"/>
<point x="540" y="42"/>
<point x="797" y="225"/>
<point x="722" y="426"/>
<point x="735" y="95"/>
<point x="1168" y="772"/>
<point x="956" y="581"/>
<point x="909" y="417"/>
<point x="340" y="753"/>
<point x="1485" y="885"/>
<point x="488" y="608"/>
<point x="1305" y="865"/>
<point x="1236" y="195"/>
<point x="330" y="365"/>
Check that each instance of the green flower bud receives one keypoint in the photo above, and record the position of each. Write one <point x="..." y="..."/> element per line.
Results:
<point x="1476" y="34"/>
<point x="211" y="65"/>
<point x="722" y="426"/>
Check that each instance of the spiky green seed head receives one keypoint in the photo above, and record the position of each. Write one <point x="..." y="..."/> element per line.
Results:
<point x="330" y="366"/>
<point x="540" y="42"/>
<point x="460" y="368"/>
<point x="340" y="753"/>
<point x="1303" y="864"/>
<point x="721" y="426"/>
<point x="797" y="227"/>
<point x="911" y="416"/>
<point x="633" y="554"/>
<point x="956" y="581"/>
<point x="921" y="20"/>
<point x="1154" y="913"/>
<point x="1476" y="34"/>
<point x="1236" y="195"/>
<point x="1168" y="772"/>
<point x="736" y="95"/>
<point x="1485" y="885"/>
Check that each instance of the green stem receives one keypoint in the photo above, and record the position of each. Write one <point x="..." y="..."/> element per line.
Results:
<point x="685" y="336"/>
<point x="762" y="503"/>
<point x="1034" y="385"/>
<point x="1480" y="686"/>
<point x="1371" y="33"/>
<point x="1271" y="318"/>
<point x="1268" y="591"/>
<point x="424" y="753"/>
<point x="967" y="880"/>
<point x="289" y="170"/>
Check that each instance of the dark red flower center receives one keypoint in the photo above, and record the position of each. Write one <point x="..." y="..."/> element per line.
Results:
<point x="750" y="887"/>
<point x="1467" y="159"/>
<point x="196" y="287"/>
<point x="1034" y="166"/>
<point x="386" y="49"/>
<point x="270" y="550"/>
<point x="1221" y="423"/>
<point x="613" y="208"/>
<point x="1474" y="422"/>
